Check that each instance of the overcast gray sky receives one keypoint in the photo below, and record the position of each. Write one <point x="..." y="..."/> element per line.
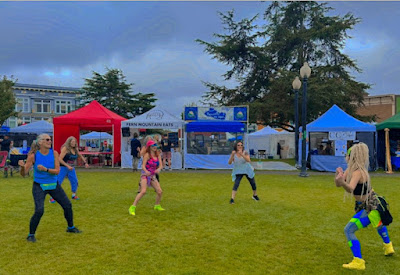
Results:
<point x="153" y="43"/>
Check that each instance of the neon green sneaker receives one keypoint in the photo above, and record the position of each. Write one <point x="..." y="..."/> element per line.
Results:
<point x="158" y="207"/>
<point x="132" y="210"/>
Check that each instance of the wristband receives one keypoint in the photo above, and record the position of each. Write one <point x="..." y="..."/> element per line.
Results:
<point x="47" y="170"/>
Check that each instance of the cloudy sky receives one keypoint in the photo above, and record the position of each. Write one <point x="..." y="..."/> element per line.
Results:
<point x="153" y="43"/>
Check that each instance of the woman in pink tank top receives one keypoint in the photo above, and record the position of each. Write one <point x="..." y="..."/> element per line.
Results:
<point x="151" y="166"/>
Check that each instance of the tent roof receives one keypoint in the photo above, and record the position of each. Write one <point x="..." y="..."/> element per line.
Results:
<point x="90" y="115"/>
<point x="391" y="123"/>
<point x="156" y="118"/>
<point x="215" y="126"/>
<point x="37" y="127"/>
<point x="96" y="135"/>
<point x="264" y="131"/>
<point x="335" y="119"/>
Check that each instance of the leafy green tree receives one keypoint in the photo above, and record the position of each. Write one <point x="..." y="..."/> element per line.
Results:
<point x="112" y="91"/>
<point x="8" y="101"/>
<point x="264" y="60"/>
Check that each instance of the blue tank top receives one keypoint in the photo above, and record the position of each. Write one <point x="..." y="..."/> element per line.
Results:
<point x="46" y="180"/>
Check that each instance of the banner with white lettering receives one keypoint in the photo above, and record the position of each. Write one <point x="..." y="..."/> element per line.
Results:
<point x="216" y="113"/>
<point x="346" y="135"/>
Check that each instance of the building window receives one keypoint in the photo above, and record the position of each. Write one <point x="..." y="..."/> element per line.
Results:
<point x="22" y="105"/>
<point x="25" y="120"/>
<point x="12" y="122"/>
<point x="42" y="106"/>
<point x="63" y="106"/>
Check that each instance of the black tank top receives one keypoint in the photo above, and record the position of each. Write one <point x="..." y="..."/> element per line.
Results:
<point x="361" y="187"/>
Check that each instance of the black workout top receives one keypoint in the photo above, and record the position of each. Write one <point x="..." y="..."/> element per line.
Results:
<point x="69" y="159"/>
<point x="361" y="187"/>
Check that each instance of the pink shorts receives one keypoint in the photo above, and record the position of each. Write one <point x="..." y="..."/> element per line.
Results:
<point x="166" y="154"/>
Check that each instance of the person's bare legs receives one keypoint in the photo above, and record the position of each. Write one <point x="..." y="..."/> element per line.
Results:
<point x="143" y="189"/>
<point x="157" y="188"/>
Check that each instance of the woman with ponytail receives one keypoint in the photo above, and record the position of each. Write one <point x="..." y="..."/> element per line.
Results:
<point x="46" y="167"/>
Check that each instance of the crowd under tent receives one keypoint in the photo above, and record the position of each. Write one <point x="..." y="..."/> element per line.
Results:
<point x="331" y="135"/>
<point x="209" y="143"/>
<point x="156" y="118"/>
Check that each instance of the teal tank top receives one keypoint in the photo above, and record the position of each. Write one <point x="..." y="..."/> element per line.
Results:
<point x="46" y="180"/>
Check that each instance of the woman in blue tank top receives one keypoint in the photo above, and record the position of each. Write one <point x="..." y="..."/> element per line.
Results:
<point x="241" y="167"/>
<point x="46" y="167"/>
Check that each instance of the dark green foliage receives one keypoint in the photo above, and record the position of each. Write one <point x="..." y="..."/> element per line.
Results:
<point x="264" y="60"/>
<point x="8" y="101"/>
<point x="114" y="93"/>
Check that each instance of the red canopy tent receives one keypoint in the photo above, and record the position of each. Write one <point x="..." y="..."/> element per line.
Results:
<point x="94" y="117"/>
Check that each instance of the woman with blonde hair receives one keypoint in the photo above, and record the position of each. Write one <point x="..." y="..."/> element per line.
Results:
<point x="68" y="156"/>
<point x="46" y="166"/>
<point x="356" y="180"/>
<point x="151" y="166"/>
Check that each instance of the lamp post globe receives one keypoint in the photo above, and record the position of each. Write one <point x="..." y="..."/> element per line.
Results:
<point x="296" y="84"/>
<point x="305" y="72"/>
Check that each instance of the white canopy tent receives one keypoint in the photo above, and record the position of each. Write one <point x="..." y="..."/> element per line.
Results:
<point x="267" y="139"/>
<point x="156" y="118"/>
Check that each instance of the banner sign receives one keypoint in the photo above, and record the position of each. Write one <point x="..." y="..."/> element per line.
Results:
<point x="216" y="113"/>
<point x="349" y="135"/>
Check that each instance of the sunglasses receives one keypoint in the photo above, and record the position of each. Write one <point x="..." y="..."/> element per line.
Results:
<point x="154" y="145"/>
<point x="240" y="145"/>
<point x="47" y="139"/>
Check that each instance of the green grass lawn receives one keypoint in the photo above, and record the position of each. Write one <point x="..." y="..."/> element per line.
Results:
<point x="296" y="227"/>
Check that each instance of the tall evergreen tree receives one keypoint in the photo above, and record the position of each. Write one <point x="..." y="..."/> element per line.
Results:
<point x="265" y="60"/>
<point x="8" y="101"/>
<point x="112" y="91"/>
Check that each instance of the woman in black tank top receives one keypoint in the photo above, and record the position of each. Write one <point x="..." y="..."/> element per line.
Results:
<point x="356" y="180"/>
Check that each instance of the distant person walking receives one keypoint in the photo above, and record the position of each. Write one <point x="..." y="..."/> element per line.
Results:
<point x="241" y="167"/>
<point x="46" y="166"/>
<point x="68" y="157"/>
<point x="136" y="146"/>
<point x="151" y="166"/>
<point x="166" y="151"/>
<point x="356" y="180"/>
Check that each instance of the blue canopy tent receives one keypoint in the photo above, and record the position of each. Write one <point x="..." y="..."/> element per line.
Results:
<point x="38" y="127"/>
<point x="208" y="143"/>
<point x="96" y="135"/>
<point x="340" y="129"/>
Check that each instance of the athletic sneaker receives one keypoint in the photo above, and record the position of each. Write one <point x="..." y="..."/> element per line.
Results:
<point x="31" y="238"/>
<point x="388" y="247"/>
<point x="52" y="200"/>
<point x="132" y="210"/>
<point x="75" y="197"/>
<point x="232" y="201"/>
<point x="73" y="230"/>
<point x="256" y="198"/>
<point x="158" y="207"/>
<point x="357" y="264"/>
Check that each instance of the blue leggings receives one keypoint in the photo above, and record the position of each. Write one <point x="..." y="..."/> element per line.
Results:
<point x="360" y="220"/>
<point x="71" y="174"/>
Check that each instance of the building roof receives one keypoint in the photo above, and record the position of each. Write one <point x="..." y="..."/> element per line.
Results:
<point x="46" y="88"/>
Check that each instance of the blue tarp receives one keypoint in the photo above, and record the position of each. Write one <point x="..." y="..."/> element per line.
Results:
<point x="38" y="127"/>
<point x="4" y="129"/>
<point x="96" y="135"/>
<point x="335" y="119"/>
<point x="215" y="126"/>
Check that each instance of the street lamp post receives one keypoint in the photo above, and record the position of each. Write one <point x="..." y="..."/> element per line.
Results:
<point x="305" y="73"/>
<point x="296" y="84"/>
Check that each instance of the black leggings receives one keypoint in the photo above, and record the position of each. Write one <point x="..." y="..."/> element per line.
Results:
<point x="239" y="178"/>
<point x="58" y="195"/>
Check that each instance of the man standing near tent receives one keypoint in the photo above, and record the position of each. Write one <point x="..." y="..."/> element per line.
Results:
<point x="5" y="143"/>
<point x="135" y="151"/>
<point x="166" y="151"/>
